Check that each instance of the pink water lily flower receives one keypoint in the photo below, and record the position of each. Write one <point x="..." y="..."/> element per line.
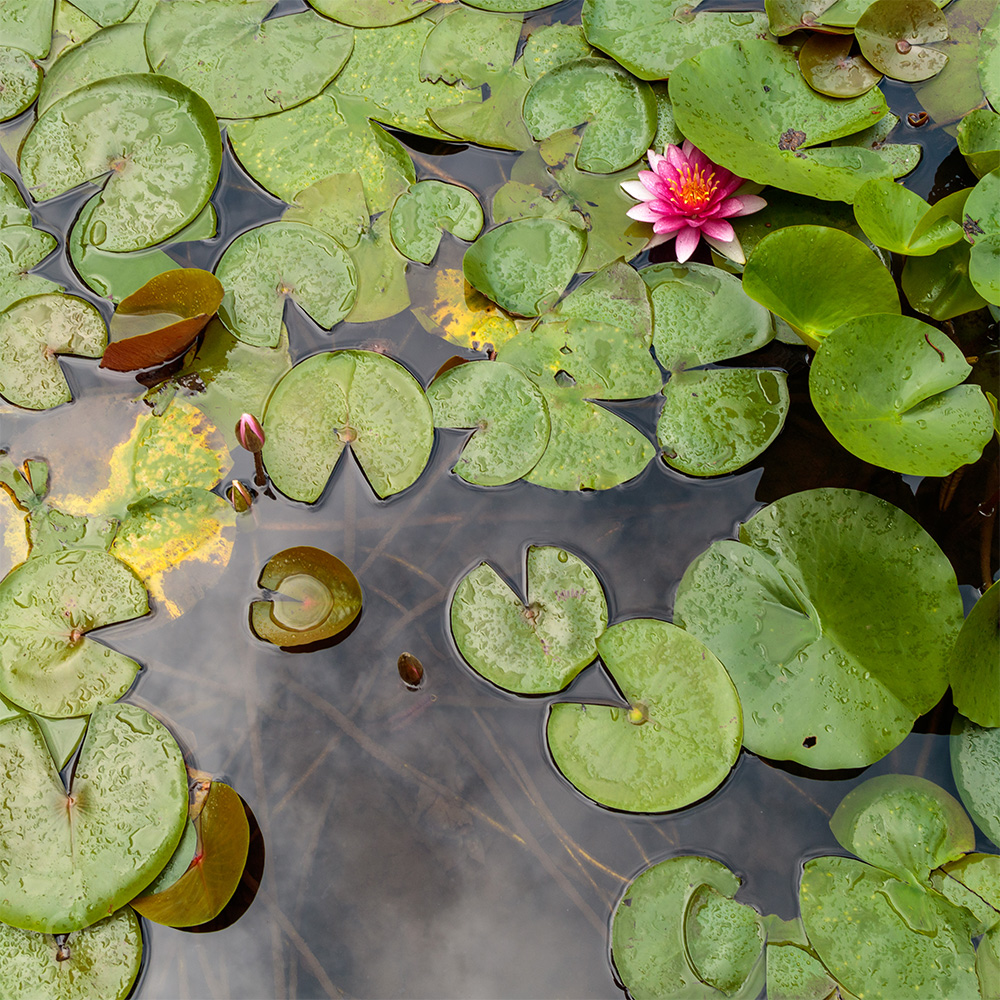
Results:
<point x="686" y="196"/>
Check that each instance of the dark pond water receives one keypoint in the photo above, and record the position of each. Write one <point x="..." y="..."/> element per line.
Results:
<point x="422" y="844"/>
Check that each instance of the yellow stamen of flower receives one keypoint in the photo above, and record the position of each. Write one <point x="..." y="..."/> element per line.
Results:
<point x="695" y="189"/>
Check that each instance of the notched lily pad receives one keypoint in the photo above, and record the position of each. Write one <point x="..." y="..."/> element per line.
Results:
<point x="675" y="739"/>
<point x="32" y="332"/>
<point x="894" y="35"/>
<point x="421" y="214"/>
<point x="316" y="597"/>
<point x="127" y="807"/>
<point x="508" y="416"/>
<point x="162" y="319"/>
<point x="22" y="79"/>
<point x="538" y="648"/>
<point x="156" y="141"/>
<point x="724" y="938"/>
<point x="901" y="221"/>
<point x="48" y="605"/>
<point x="829" y="67"/>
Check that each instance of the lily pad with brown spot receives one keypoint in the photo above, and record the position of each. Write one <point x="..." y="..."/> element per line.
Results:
<point x="317" y="596"/>
<point x="896" y="38"/>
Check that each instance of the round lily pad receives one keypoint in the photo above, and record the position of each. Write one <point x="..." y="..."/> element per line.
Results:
<point x="47" y="605"/>
<point x="127" y="807"/>
<point x="508" y="416"/>
<point x="702" y="315"/>
<point x="894" y="36"/>
<point x="156" y="141"/>
<point x="975" y="662"/>
<point x="714" y="422"/>
<point x="471" y="47"/>
<point x="979" y="140"/>
<point x="360" y="398"/>
<point x="103" y="961"/>
<point x="679" y="904"/>
<point x="884" y="938"/>
<point x="536" y="649"/>
<point x="795" y="974"/>
<point x="22" y="78"/>
<point x="106" y="12"/>
<point x="371" y="13"/>
<point x="984" y="267"/>
<point x="975" y="758"/>
<point x="796" y="611"/>
<point x="552" y="45"/>
<point x="618" y="110"/>
<point x="904" y="825"/>
<point x="524" y="265"/>
<point x="21" y="248"/>
<point x="32" y="332"/>
<point x="421" y="214"/>
<point x="675" y="740"/>
<point x="887" y="387"/>
<point x="901" y="221"/>
<point x="318" y="596"/>
<point x="988" y="60"/>
<point x="829" y="68"/>
<point x="769" y="136"/>
<point x="615" y="296"/>
<point x="201" y="893"/>
<point x="790" y="273"/>
<point x="264" y="267"/>
<point x="243" y="65"/>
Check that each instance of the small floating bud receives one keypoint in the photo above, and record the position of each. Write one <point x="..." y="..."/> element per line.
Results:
<point x="250" y="434"/>
<point x="62" y="948"/>
<point x="411" y="670"/>
<point x="239" y="496"/>
<point x="638" y="714"/>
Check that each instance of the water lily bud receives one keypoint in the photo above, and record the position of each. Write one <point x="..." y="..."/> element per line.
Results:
<point x="250" y="434"/>
<point x="239" y="496"/>
<point x="411" y="670"/>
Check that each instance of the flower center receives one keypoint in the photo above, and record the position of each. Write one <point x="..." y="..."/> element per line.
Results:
<point x="695" y="189"/>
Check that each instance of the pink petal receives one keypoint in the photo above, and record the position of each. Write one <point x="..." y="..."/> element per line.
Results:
<point x="750" y="203"/>
<point x="727" y="185"/>
<point x="643" y="213"/>
<point x="637" y="190"/>
<point x="675" y="157"/>
<point x="654" y="158"/>
<point x="730" y="249"/>
<point x="652" y="182"/>
<point x="718" y="230"/>
<point x="687" y="240"/>
<point x="688" y="147"/>
<point x="666" y="224"/>
<point x="667" y="174"/>
<point x="658" y="239"/>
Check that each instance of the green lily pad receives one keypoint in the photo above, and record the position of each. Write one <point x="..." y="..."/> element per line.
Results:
<point x="973" y="881"/>
<point x="48" y="604"/>
<point x="795" y="974"/>
<point x="618" y="111"/>
<point x="794" y="611"/>
<point x="371" y="13"/>
<point x="461" y="315"/>
<point x="158" y="141"/>
<point x="32" y="332"/>
<point x="108" y="53"/>
<point x="615" y="295"/>
<point x="552" y="45"/>
<point x="357" y="397"/>
<point x="984" y="267"/>
<point x="107" y="12"/>
<point x="104" y="961"/>
<point x="381" y="270"/>
<point x="319" y="597"/>
<point x="844" y="14"/>
<point x="894" y="36"/>
<point x="524" y="266"/>
<point x="27" y="25"/>
<point x="179" y="861"/>
<point x="939" y="286"/>
<point x="127" y="805"/>
<point x="989" y="58"/>
<point x="675" y="740"/>
<point x="335" y="204"/>
<point x="21" y="248"/>
<point x="714" y="422"/>
<point x="790" y="274"/>
<point x="511" y="6"/>
<point x="702" y="315"/>
<point x="875" y="944"/>
<point x="975" y="662"/>
<point x="201" y="893"/>
<point x="471" y="47"/>
<point x="538" y="648"/>
<point x="899" y="158"/>
<point x="264" y="267"/>
<point x="908" y="413"/>
<point x="904" y="825"/>
<point x="786" y="16"/>
<point x="22" y="78"/>
<point x="652" y="41"/>
<point x="975" y="757"/>
<point x="421" y="215"/>
<point x="118" y="275"/>
<point x="894" y="218"/>
<point x="724" y="939"/>
<point x="13" y="211"/>
<point x="718" y="103"/>
<point x="331" y="134"/>
<point x="829" y="68"/>
<point x="62" y="736"/>
<point x="648" y="940"/>
<point x="243" y="65"/>
<point x="507" y="413"/>
<point x="979" y="140"/>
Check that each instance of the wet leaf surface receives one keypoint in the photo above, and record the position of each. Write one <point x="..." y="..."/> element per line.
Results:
<point x="829" y="68"/>
<point x="893" y="35"/>
<point x="22" y="78"/>
<point x="27" y="25"/>
<point x="470" y="46"/>
<point x="724" y="938"/>
<point x="21" y="248"/>
<point x="536" y="648"/>
<point x="975" y="662"/>
<point x="799" y="598"/>
<point x="462" y="315"/>
<point x="371" y="13"/>
<point x="421" y="214"/>
<point x="104" y="961"/>
<point x="317" y="596"/>
<point x="975" y="756"/>
<point x="127" y="807"/>
<point x="896" y="219"/>
<point x="381" y="270"/>
<point x="675" y="739"/>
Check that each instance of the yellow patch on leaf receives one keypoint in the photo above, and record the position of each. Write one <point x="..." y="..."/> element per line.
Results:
<point x="463" y="316"/>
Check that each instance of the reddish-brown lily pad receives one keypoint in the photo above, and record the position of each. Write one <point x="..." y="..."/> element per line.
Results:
<point x="162" y="319"/>
<point x="829" y="67"/>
